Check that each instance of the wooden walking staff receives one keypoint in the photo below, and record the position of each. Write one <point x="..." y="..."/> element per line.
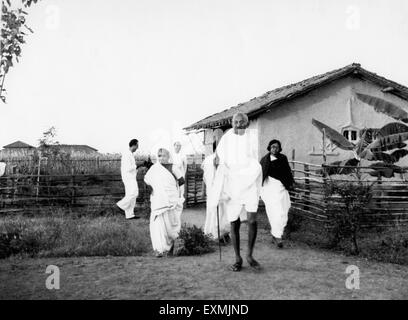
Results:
<point x="218" y="227"/>
<point x="218" y="214"/>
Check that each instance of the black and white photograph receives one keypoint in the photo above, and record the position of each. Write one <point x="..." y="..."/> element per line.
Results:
<point x="204" y="150"/>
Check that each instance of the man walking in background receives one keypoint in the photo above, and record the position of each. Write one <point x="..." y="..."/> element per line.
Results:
<point x="179" y="160"/>
<point x="128" y="172"/>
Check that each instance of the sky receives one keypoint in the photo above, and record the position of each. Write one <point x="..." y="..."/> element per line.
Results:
<point x="103" y="72"/>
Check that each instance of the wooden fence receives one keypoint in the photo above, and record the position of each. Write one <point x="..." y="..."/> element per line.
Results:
<point x="84" y="182"/>
<point x="388" y="204"/>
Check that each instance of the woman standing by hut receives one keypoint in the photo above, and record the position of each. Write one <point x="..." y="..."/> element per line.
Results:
<point x="277" y="179"/>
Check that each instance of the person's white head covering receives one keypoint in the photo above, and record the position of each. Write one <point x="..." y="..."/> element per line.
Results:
<point x="156" y="153"/>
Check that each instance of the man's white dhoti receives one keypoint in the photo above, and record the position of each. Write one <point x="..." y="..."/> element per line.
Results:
<point x="213" y="183"/>
<point x="242" y="174"/>
<point x="166" y="207"/>
<point x="277" y="204"/>
<point x="128" y="173"/>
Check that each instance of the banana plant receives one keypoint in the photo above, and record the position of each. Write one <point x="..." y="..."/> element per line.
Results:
<point x="373" y="143"/>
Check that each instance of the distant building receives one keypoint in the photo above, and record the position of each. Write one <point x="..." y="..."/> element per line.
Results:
<point x="17" y="149"/>
<point x="78" y="150"/>
<point x="21" y="149"/>
<point x="286" y="113"/>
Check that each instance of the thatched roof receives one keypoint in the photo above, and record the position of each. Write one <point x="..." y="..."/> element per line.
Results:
<point x="261" y="104"/>
<point x="18" y="145"/>
<point x="77" y="147"/>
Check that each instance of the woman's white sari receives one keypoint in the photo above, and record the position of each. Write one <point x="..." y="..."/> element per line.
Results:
<point x="277" y="204"/>
<point x="166" y="206"/>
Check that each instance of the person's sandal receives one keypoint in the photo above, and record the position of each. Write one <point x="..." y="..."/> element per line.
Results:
<point x="236" y="267"/>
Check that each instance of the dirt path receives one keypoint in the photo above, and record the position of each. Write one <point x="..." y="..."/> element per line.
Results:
<point x="296" y="272"/>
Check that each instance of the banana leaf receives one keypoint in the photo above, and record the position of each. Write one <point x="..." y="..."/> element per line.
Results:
<point x="367" y="137"/>
<point x="381" y="156"/>
<point x="388" y="143"/>
<point x="382" y="169"/>
<point x="398" y="154"/>
<point x="334" y="136"/>
<point x="392" y="128"/>
<point x="383" y="106"/>
<point x="366" y="154"/>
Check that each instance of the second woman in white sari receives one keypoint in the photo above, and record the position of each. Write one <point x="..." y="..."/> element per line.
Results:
<point x="166" y="203"/>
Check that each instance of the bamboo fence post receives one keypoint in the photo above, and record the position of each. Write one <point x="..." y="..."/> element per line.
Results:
<point x="307" y="185"/>
<point x="72" y="185"/>
<point x="379" y="182"/>
<point x="1" y="196"/>
<point x="195" y="182"/>
<point x="15" y="189"/>
<point x="324" y="173"/>
<point x="38" y="179"/>
<point x="186" y="184"/>
<point x="186" y="187"/>
<point x="324" y="146"/>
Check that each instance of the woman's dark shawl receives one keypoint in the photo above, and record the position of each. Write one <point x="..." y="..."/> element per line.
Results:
<point x="278" y="169"/>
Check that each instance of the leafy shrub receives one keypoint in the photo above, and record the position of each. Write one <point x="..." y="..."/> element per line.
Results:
<point x="17" y="239"/>
<point x="346" y="203"/>
<point x="195" y="241"/>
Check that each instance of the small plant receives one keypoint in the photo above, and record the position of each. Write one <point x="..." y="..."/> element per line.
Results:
<point x="294" y="223"/>
<point x="18" y="240"/>
<point x="194" y="240"/>
<point x="346" y="203"/>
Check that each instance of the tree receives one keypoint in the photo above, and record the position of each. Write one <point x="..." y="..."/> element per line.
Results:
<point x="373" y="144"/>
<point x="48" y="145"/>
<point x="13" y="31"/>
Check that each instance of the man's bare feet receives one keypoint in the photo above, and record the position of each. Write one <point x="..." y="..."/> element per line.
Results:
<point x="253" y="263"/>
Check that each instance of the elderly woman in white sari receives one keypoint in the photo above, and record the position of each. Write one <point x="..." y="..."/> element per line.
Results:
<point x="166" y="203"/>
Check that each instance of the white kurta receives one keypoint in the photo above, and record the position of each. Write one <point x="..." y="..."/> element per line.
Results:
<point x="166" y="207"/>
<point x="242" y="174"/>
<point x="128" y="173"/>
<point x="277" y="204"/>
<point x="212" y="183"/>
